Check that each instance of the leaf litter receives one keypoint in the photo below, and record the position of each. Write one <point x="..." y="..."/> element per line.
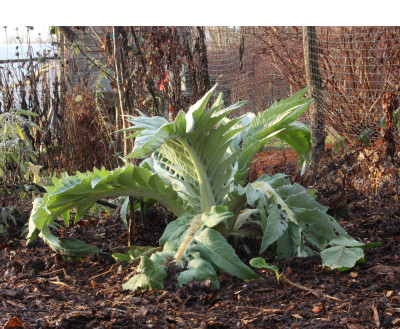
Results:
<point x="40" y="289"/>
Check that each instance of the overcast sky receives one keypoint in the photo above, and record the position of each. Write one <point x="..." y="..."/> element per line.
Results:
<point x="204" y="13"/>
<point x="179" y="12"/>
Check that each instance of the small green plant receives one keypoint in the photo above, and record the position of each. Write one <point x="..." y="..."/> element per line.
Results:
<point x="365" y="136"/>
<point x="6" y="220"/>
<point x="259" y="262"/>
<point x="396" y="119"/>
<point x="197" y="167"/>
<point x="340" y="145"/>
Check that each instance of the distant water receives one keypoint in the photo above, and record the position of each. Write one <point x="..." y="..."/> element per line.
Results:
<point x="22" y="51"/>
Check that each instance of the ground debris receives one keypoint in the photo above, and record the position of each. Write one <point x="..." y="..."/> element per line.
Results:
<point x="43" y="290"/>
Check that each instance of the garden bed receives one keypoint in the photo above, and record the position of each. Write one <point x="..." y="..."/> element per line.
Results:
<point x="40" y="289"/>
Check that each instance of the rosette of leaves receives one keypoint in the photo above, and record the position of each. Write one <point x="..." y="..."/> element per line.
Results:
<point x="197" y="167"/>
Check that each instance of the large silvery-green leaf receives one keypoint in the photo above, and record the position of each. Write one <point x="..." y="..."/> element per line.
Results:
<point x="297" y="135"/>
<point x="180" y="151"/>
<point x="69" y="247"/>
<point x="214" y="248"/>
<point x="179" y="235"/>
<point x="343" y="254"/>
<point x="200" y="270"/>
<point x="85" y="189"/>
<point x="276" y="225"/>
<point x="175" y="232"/>
<point x="290" y="243"/>
<point x="153" y="132"/>
<point x="341" y="257"/>
<point x="149" y="275"/>
<point x="217" y="215"/>
<point x="294" y="220"/>
<point x="280" y="121"/>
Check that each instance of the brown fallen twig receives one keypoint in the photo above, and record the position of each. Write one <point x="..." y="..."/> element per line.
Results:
<point x="376" y="316"/>
<point x="304" y="288"/>
<point x="97" y="275"/>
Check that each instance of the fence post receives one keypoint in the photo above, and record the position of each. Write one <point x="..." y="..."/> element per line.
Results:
<point x="61" y="51"/>
<point x="314" y="80"/>
<point x="120" y="108"/>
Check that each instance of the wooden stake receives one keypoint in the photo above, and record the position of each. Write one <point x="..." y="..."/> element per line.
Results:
<point x="314" y="80"/>
<point x="131" y="224"/>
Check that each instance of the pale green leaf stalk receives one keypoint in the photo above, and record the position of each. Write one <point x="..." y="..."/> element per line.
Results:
<point x="194" y="227"/>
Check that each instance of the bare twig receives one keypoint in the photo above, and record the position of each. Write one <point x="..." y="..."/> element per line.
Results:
<point x="97" y="275"/>
<point x="376" y="316"/>
<point x="304" y="288"/>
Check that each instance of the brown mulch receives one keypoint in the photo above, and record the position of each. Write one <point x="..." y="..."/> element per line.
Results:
<point x="39" y="289"/>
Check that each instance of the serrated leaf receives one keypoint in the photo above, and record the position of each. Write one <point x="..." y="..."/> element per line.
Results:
<point x="276" y="225"/>
<point x="72" y="192"/>
<point x="198" y="269"/>
<point x="312" y="192"/>
<point x="290" y="243"/>
<point x="175" y="231"/>
<point x="149" y="275"/>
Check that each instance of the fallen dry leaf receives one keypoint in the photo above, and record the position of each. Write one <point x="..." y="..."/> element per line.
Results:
<point x="297" y="316"/>
<point x="317" y="309"/>
<point x="13" y="323"/>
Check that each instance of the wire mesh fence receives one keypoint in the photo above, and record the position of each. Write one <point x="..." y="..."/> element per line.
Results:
<point x="358" y="65"/>
<point x="164" y="69"/>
